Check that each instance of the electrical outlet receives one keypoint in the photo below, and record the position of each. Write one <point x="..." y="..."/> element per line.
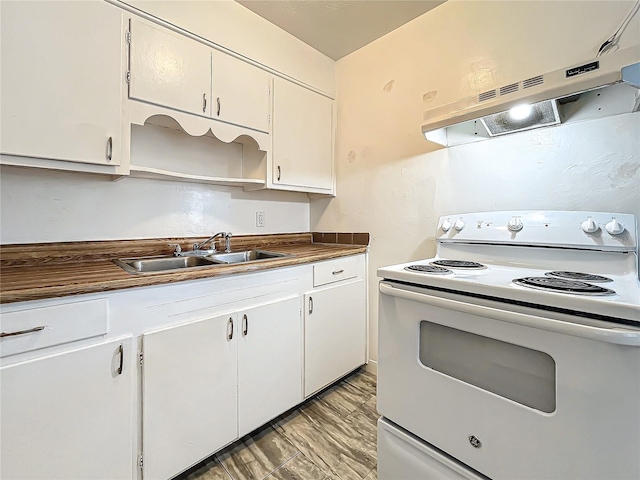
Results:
<point x="259" y="219"/>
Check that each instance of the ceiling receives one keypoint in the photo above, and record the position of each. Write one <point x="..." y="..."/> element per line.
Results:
<point x="335" y="27"/>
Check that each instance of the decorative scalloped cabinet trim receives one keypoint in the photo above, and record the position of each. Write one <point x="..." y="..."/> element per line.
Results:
<point x="209" y="151"/>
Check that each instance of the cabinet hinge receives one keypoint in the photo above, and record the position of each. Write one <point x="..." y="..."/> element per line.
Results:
<point x="127" y="76"/>
<point x="140" y="463"/>
<point x="140" y="358"/>
<point x="269" y="119"/>
<point x="127" y="37"/>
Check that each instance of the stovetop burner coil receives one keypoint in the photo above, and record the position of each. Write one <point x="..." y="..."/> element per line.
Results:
<point x="428" y="269"/>
<point x="562" y="286"/>
<point x="458" y="264"/>
<point x="583" y="277"/>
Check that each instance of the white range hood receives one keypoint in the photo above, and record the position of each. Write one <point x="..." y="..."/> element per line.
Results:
<point x="605" y="86"/>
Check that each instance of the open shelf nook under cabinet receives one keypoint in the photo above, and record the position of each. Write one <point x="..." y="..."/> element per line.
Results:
<point x="171" y="145"/>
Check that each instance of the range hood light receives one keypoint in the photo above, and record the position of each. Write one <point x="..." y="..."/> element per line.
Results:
<point x="522" y="117"/>
<point x="520" y="112"/>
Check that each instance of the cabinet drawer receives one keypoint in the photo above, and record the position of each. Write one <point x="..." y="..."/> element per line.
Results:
<point x="52" y="325"/>
<point x="335" y="270"/>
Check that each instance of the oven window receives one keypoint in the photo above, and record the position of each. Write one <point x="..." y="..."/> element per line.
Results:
<point x="518" y="373"/>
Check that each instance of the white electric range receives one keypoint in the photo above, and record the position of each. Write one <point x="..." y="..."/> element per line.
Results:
<point x="514" y="352"/>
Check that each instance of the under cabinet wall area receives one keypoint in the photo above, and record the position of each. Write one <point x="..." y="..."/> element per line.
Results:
<point x="167" y="375"/>
<point x="147" y="68"/>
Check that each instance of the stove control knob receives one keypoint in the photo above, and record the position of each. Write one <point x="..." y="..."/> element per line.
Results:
<point x="589" y="226"/>
<point x="515" y="224"/>
<point x="614" y="227"/>
<point x="446" y="226"/>
<point x="459" y="225"/>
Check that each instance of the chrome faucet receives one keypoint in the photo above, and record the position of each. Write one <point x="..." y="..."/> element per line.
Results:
<point x="227" y="242"/>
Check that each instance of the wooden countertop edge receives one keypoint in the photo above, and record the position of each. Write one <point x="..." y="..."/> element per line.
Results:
<point x="131" y="280"/>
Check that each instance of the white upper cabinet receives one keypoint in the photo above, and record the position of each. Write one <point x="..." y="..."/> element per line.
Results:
<point x="61" y="80"/>
<point x="240" y="92"/>
<point x="302" y="138"/>
<point x="169" y="69"/>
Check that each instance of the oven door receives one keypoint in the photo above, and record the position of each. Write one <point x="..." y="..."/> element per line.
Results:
<point x="514" y="392"/>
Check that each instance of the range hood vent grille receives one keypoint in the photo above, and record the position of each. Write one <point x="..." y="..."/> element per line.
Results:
<point x="532" y="82"/>
<point x="483" y="97"/>
<point x="514" y="87"/>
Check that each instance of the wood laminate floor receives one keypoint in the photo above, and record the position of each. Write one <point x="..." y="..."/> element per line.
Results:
<point x="330" y="437"/>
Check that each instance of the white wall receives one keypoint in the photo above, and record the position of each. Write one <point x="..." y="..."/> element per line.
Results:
<point x="50" y="206"/>
<point x="394" y="184"/>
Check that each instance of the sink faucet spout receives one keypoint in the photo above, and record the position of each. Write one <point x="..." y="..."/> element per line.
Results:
<point x="227" y="238"/>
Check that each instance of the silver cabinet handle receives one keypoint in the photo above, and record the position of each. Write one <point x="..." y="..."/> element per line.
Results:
<point x="337" y="272"/>
<point x="121" y="352"/>
<point x="279" y="172"/>
<point x="218" y="102"/>
<point x="245" y="325"/>
<point x="310" y="305"/>
<point x="109" y="149"/>
<point x="21" y="332"/>
<point x="230" y="329"/>
<point x="204" y="103"/>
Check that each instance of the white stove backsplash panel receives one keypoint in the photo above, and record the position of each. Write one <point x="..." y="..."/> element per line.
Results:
<point x="583" y="230"/>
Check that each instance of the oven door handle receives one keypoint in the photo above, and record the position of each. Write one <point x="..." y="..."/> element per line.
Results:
<point x="616" y="335"/>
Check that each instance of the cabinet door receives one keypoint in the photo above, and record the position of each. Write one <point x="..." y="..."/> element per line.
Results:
<point x="269" y="362"/>
<point x="240" y="92"/>
<point x="61" y="80"/>
<point x="168" y="69"/>
<point x="334" y="333"/>
<point x="69" y="415"/>
<point x="189" y="398"/>
<point x="302" y="137"/>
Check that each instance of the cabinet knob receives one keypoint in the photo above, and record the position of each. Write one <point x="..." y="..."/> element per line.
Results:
<point x="109" y="149"/>
<point x="121" y="352"/>
<point x="245" y="325"/>
<point x="21" y="332"/>
<point x="230" y="329"/>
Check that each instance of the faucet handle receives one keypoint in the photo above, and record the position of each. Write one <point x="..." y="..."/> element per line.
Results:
<point x="178" y="249"/>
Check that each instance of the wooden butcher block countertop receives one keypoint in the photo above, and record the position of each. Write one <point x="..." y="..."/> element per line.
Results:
<point x="49" y="270"/>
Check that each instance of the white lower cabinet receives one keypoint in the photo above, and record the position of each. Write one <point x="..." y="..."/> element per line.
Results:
<point x="69" y="415"/>
<point x="207" y="382"/>
<point x="200" y="382"/>
<point x="269" y="362"/>
<point x="334" y="333"/>
<point x="189" y="397"/>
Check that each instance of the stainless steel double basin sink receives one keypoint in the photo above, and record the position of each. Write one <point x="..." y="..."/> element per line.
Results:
<point x="146" y="265"/>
